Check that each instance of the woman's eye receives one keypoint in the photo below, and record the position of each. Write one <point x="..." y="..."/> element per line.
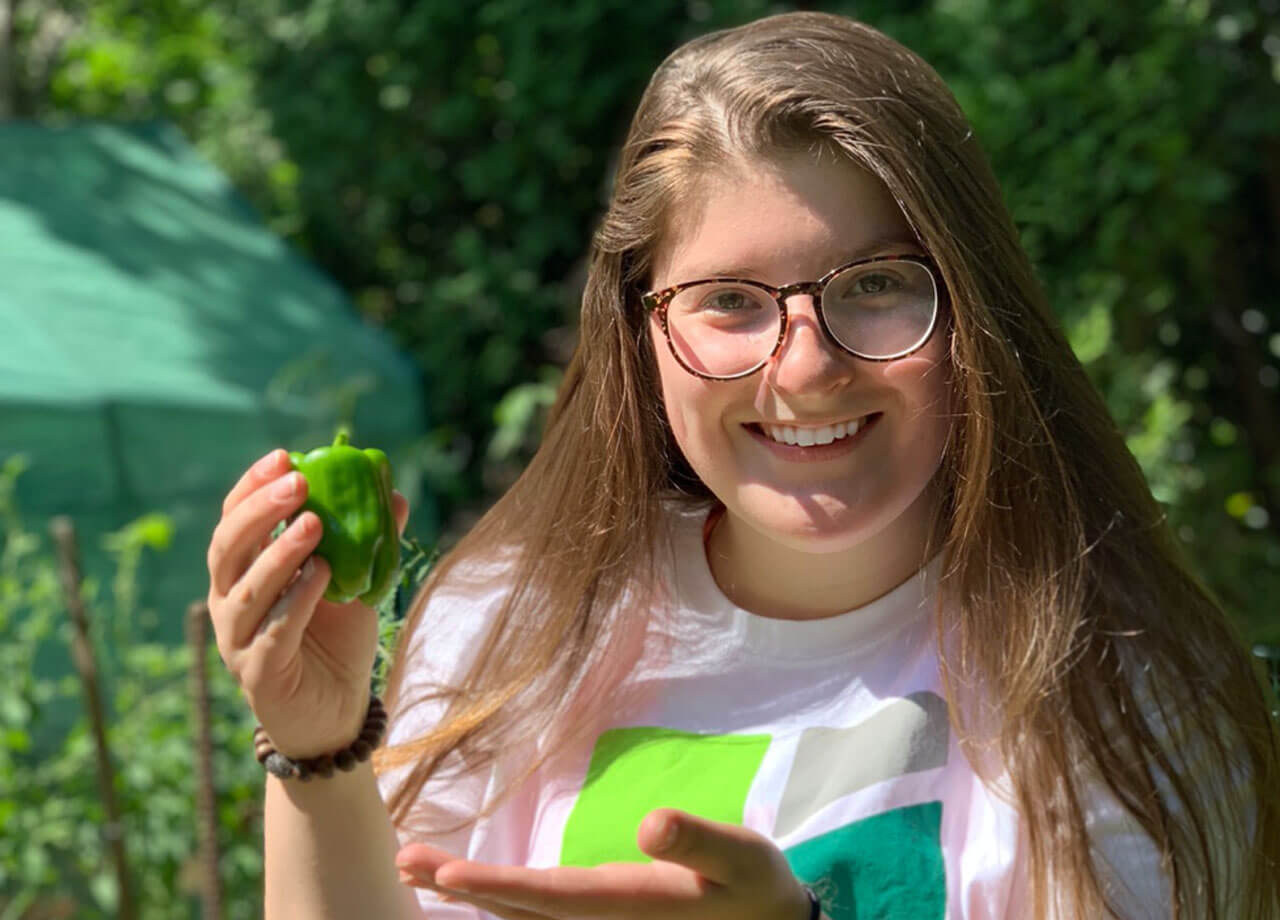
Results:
<point x="873" y="284"/>
<point x="728" y="301"/>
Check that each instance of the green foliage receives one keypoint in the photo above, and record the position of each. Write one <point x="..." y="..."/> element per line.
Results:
<point x="1129" y="140"/>
<point x="53" y="856"/>
<point x="52" y="819"/>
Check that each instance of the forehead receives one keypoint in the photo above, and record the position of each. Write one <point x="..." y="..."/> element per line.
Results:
<point x="779" y="220"/>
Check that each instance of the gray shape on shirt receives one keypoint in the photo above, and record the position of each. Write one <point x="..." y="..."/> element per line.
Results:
<point x="909" y="735"/>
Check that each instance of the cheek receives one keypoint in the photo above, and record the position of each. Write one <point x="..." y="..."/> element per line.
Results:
<point x="921" y="379"/>
<point x="924" y="384"/>
<point x="687" y="407"/>
<point x="670" y="380"/>
<point x="693" y="406"/>
<point x="678" y="427"/>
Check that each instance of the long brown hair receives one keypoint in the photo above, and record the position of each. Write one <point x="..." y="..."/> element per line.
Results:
<point x="1076" y="645"/>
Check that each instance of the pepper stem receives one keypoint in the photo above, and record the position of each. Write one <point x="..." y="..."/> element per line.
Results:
<point x="342" y="437"/>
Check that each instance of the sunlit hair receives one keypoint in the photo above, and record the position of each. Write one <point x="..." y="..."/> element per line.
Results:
<point x="1073" y="638"/>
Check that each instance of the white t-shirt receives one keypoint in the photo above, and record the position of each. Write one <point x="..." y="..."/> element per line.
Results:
<point x="830" y="737"/>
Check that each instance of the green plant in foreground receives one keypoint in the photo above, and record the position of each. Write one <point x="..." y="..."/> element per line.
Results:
<point x="53" y="861"/>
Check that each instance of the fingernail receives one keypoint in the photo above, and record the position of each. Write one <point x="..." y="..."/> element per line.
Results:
<point x="301" y="528"/>
<point x="670" y="834"/>
<point x="267" y="463"/>
<point x="448" y="886"/>
<point x="286" y="488"/>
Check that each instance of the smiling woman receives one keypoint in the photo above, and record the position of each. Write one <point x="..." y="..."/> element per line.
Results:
<point x="810" y="530"/>
<point x="831" y="591"/>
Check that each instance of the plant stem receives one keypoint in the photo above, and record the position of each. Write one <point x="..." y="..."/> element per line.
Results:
<point x="206" y="800"/>
<point x="64" y="535"/>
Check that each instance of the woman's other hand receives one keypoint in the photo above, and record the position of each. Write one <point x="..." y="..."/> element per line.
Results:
<point x="706" y="871"/>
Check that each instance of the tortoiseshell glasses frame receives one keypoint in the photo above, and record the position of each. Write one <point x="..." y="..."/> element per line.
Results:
<point x="659" y="301"/>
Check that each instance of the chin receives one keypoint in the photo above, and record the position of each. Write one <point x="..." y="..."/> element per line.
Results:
<point x="814" y="524"/>
<point x="826" y="523"/>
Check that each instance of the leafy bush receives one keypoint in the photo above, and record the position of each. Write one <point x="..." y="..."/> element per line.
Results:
<point x="54" y="861"/>
<point x="53" y="857"/>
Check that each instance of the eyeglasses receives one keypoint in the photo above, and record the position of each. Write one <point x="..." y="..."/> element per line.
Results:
<point x="877" y="309"/>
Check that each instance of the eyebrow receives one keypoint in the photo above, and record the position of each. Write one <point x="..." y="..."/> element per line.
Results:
<point x="869" y="250"/>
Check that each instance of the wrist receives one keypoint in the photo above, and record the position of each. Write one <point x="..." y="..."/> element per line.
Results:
<point x="331" y="719"/>
<point x="323" y="795"/>
<point x="343" y="759"/>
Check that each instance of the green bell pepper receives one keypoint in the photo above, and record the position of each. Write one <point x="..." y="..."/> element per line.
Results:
<point x="350" y="490"/>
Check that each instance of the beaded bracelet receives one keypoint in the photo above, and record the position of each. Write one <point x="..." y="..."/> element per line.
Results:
<point x="358" y="751"/>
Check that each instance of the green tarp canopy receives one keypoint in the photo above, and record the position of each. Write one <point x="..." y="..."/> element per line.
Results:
<point x="157" y="338"/>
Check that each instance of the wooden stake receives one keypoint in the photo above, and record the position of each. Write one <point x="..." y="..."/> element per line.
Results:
<point x="206" y="800"/>
<point x="64" y="536"/>
<point x="8" y="59"/>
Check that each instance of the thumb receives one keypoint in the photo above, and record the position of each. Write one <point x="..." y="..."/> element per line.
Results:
<point x="723" y="853"/>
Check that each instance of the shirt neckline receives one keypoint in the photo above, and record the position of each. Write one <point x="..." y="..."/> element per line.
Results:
<point x="909" y="604"/>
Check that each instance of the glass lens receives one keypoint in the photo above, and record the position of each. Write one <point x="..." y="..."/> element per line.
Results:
<point x="723" y="329"/>
<point x="881" y="309"/>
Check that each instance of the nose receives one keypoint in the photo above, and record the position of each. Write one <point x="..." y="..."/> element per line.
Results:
<point x="807" y="360"/>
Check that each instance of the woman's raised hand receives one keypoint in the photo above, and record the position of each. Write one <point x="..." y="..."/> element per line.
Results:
<point x="305" y="664"/>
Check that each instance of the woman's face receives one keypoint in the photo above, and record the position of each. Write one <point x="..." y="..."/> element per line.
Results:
<point x="794" y="220"/>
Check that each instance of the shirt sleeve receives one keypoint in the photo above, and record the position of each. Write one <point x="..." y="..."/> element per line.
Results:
<point x="440" y="653"/>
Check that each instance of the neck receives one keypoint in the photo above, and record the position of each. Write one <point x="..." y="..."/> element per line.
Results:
<point x="773" y="579"/>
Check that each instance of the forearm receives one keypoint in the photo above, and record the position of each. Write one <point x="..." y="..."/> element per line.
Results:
<point x="330" y="851"/>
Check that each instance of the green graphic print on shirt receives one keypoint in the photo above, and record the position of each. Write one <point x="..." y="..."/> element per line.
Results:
<point x="886" y="866"/>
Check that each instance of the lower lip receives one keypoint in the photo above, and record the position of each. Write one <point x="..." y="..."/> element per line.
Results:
<point x="818" y="452"/>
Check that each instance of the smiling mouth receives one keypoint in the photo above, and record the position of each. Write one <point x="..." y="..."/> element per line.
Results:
<point x="812" y="437"/>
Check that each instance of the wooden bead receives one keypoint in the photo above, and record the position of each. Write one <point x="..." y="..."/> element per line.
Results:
<point x="279" y="765"/>
<point x="375" y="725"/>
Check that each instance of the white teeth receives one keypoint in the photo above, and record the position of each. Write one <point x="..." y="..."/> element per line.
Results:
<point x="808" y="437"/>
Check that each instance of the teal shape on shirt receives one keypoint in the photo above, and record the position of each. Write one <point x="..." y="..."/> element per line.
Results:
<point x="635" y="770"/>
<point x="886" y="867"/>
